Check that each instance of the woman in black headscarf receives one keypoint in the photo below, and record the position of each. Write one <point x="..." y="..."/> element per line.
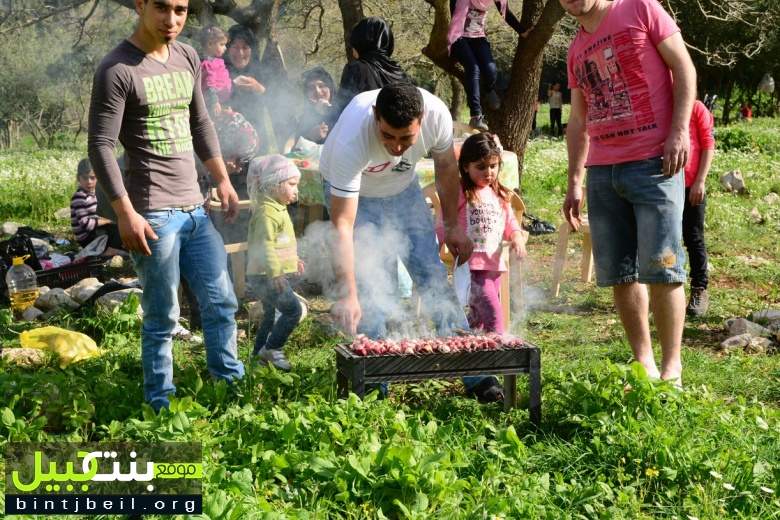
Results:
<point x="372" y="46"/>
<point x="318" y="115"/>
<point x="243" y="64"/>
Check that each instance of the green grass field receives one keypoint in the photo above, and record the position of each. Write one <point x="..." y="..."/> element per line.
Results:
<point x="283" y="446"/>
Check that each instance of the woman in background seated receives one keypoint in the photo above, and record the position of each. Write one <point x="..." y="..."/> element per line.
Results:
<point x="319" y="115"/>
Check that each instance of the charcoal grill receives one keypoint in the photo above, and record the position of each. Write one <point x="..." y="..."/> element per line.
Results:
<point x="356" y="371"/>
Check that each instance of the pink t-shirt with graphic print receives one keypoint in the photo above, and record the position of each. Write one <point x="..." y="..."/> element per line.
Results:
<point x="487" y="222"/>
<point x="626" y="84"/>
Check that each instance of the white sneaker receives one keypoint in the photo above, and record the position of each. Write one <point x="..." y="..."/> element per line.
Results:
<point x="182" y="333"/>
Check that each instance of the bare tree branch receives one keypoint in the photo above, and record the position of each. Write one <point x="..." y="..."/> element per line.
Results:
<point x="44" y="16"/>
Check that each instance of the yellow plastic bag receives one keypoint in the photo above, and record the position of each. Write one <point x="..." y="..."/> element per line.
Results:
<point x="70" y="346"/>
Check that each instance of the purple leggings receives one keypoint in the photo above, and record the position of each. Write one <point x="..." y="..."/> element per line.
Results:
<point x="485" y="307"/>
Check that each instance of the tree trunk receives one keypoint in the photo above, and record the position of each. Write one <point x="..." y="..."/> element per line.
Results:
<point x="727" y="102"/>
<point x="456" y="103"/>
<point x="351" y="13"/>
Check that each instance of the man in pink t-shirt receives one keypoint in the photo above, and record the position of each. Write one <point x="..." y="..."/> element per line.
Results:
<point x="632" y="89"/>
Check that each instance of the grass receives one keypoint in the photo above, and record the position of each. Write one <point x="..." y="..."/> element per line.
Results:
<point x="282" y="445"/>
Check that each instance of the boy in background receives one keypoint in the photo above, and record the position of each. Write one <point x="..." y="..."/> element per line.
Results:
<point x="702" y="152"/>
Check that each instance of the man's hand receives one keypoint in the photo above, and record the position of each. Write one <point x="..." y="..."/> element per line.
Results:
<point x="347" y="313"/>
<point x="102" y="221"/>
<point x="572" y="205"/>
<point x="301" y="266"/>
<point x="459" y="244"/>
<point x="134" y="230"/>
<point x="696" y="195"/>
<point x="676" y="150"/>
<point x="229" y="198"/>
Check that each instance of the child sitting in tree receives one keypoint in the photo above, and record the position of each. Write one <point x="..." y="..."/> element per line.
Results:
<point x="84" y="220"/>
<point x="273" y="256"/>
<point x="467" y="43"/>
<point x="215" y="79"/>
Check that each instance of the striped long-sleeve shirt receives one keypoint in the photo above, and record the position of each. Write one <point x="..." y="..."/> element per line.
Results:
<point x="83" y="214"/>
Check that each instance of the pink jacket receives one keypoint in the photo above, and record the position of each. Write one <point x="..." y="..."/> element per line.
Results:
<point x="460" y="12"/>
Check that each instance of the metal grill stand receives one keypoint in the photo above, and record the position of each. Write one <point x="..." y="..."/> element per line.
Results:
<point x="357" y="371"/>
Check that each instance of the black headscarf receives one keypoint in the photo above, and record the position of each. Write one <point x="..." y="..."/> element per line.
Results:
<point x="318" y="73"/>
<point x="311" y="117"/>
<point x="373" y="40"/>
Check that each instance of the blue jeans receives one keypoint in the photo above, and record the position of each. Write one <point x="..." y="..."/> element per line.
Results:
<point x="273" y="333"/>
<point x="478" y="64"/>
<point x="188" y="245"/>
<point x="401" y="226"/>
<point x="635" y="214"/>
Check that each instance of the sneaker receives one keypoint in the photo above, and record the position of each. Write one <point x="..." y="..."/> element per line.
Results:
<point x="478" y="123"/>
<point x="180" y="332"/>
<point x="273" y="357"/>
<point x="699" y="302"/>
<point x="492" y="100"/>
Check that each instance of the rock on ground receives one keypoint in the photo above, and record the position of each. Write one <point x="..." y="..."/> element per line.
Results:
<point x="54" y="299"/>
<point x="31" y="314"/>
<point x="733" y="181"/>
<point x="767" y="315"/>
<point x="736" y="342"/>
<point x="85" y="288"/>
<point x="10" y="228"/>
<point x="737" y="326"/>
<point x="27" y="357"/>
<point x="114" y="299"/>
<point x="772" y="198"/>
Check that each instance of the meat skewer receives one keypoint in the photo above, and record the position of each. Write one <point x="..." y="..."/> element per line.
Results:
<point x="363" y="346"/>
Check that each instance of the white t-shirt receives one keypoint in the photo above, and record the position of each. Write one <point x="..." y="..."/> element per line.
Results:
<point x="556" y="99"/>
<point x="355" y="162"/>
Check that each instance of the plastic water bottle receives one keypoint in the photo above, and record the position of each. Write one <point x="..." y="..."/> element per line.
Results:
<point x="22" y="285"/>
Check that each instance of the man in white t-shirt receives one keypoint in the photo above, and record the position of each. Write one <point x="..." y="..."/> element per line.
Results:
<point x="368" y="163"/>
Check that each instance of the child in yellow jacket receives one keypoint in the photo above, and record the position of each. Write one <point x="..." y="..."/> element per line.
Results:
<point x="273" y="256"/>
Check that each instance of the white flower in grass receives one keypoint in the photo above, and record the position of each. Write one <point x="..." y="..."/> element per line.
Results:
<point x="714" y="474"/>
<point x="767" y="489"/>
<point x="728" y="486"/>
<point x="693" y="517"/>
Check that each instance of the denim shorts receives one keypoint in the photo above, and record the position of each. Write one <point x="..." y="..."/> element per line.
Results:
<point x="635" y="214"/>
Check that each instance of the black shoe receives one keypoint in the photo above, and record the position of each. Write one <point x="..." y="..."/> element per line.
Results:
<point x="478" y="123"/>
<point x="699" y="302"/>
<point x="489" y="390"/>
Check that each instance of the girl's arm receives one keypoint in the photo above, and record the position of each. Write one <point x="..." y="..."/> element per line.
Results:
<point x="514" y="232"/>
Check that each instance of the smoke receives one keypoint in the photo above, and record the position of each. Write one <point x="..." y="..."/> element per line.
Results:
<point x="432" y="310"/>
<point x="525" y="297"/>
